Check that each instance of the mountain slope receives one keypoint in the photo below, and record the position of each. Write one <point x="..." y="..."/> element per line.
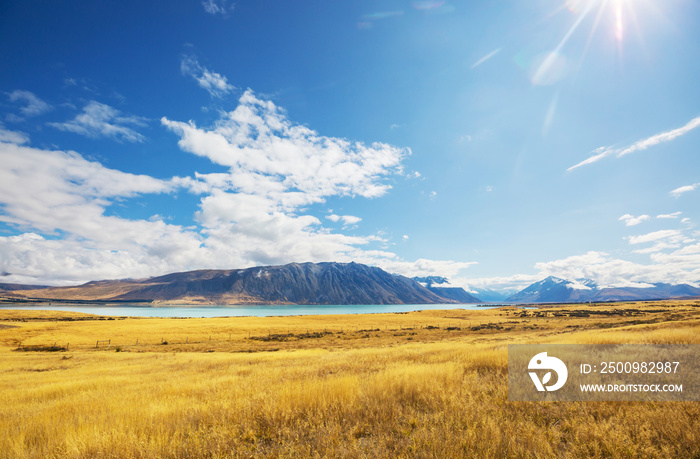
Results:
<point x="295" y="283"/>
<point x="13" y="287"/>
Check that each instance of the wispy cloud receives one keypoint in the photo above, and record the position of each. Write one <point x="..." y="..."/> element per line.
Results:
<point x="485" y="58"/>
<point x="216" y="84"/>
<point x="669" y="216"/>
<point x="215" y="7"/>
<point x="348" y="220"/>
<point x="660" y="138"/>
<point x="640" y="145"/>
<point x="101" y="120"/>
<point x="631" y="220"/>
<point x="33" y="106"/>
<point x="684" y="189"/>
<point x="654" y="236"/>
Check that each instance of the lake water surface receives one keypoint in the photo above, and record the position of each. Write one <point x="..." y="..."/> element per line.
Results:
<point x="140" y="310"/>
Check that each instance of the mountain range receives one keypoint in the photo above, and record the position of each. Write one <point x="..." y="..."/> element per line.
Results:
<point x="556" y="290"/>
<point x="295" y="283"/>
<point x="327" y="283"/>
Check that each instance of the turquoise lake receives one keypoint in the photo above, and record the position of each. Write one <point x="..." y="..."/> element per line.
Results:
<point x="136" y="310"/>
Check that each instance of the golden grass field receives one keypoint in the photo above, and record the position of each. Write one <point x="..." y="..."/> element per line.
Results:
<point x="373" y="385"/>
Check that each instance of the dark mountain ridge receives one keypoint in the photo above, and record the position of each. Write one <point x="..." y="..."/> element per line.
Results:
<point x="294" y="283"/>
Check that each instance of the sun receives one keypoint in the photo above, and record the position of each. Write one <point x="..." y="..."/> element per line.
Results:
<point x="616" y="14"/>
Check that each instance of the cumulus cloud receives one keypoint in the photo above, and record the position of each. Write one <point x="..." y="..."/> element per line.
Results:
<point x="214" y="83"/>
<point x="631" y="220"/>
<point x="60" y="200"/>
<point x="268" y="155"/>
<point x="640" y="145"/>
<point x="101" y="120"/>
<point x="252" y="212"/>
<point x="55" y="190"/>
<point x="684" y="189"/>
<point x="32" y="105"/>
<point x="274" y="168"/>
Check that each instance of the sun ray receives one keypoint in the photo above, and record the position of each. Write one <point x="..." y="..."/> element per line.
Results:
<point x="549" y="62"/>
<point x="596" y="23"/>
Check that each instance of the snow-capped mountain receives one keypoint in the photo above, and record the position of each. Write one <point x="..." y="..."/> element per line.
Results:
<point x="552" y="290"/>
<point x="556" y="290"/>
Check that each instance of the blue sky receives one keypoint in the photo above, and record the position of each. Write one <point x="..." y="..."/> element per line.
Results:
<point x="494" y="143"/>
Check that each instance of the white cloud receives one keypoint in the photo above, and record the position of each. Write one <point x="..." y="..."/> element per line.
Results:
<point x="55" y="190"/>
<point x="253" y="212"/>
<point x="405" y="237"/>
<point x="677" y="267"/>
<point x="268" y="155"/>
<point x="640" y="145"/>
<point x="669" y="216"/>
<point x="684" y="189"/>
<point x="660" y="138"/>
<point x="631" y="220"/>
<point x="351" y="220"/>
<point x="65" y="197"/>
<point x="33" y="106"/>
<point x="420" y="267"/>
<point x="15" y="137"/>
<point x="511" y="283"/>
<point x="654" y="236"/>
<point x="348" y="220"/>
<point x="101" y="120"/>
<point x="216" y="84"/>
<point x="657" y="247"/>
<point x="215" y="7"/>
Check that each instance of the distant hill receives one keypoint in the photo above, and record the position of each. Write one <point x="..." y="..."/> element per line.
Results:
<point x="556" y="290"/>
<point x="14" y="287"/>
<point x="295" y="283"/>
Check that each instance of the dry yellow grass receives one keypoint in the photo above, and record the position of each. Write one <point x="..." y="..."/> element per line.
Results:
<point x="378" y="385"/>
